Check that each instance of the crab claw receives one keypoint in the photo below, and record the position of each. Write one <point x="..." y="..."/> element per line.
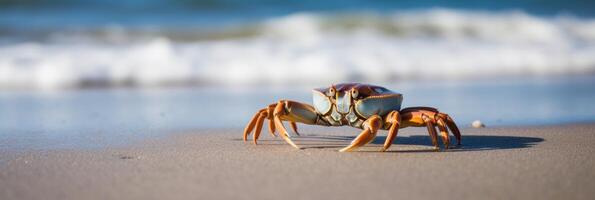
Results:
<point x="284" y="133"/>
<point x="362" y="139"/>
<point x="371" y="127"/>
<point x="280" y="110"/>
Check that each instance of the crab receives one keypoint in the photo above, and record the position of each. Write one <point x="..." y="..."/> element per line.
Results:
<point x="363" y="106"/>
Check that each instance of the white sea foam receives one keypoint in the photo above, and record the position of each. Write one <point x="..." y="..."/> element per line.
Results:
<point x="316" y="48"/>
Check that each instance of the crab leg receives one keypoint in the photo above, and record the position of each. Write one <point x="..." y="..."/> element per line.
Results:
<point x="294" y="127"/>
<point x="280" y="110"/>
<point x="267" y="113"/>
<point x="452" y="126"/>
<point x="431" y="130"/>
<point x="251" y="124"/>
<point x="272" y="127"/>
<point x="443" y="132"/>
<point x="293" y="112"/>
<point x="394" y="119"/>
<point x="284" y="133"/>
<point x="371" y="126"/>
<point x="259" y="126"/>
<point x="270" y="110"/>
<point x="289" y="111"/>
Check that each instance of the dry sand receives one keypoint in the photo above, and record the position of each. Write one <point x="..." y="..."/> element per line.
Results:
<point x="555" y="162"/>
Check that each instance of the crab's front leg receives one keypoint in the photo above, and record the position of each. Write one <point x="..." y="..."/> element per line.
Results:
<point x="371" y="126"/>
<point x="394" y="119"/>
<point x="284" y="110"/>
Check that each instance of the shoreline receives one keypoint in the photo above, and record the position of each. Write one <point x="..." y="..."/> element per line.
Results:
<point x="545" y="162"/>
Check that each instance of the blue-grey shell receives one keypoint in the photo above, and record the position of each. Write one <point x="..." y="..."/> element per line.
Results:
<point x="321" y="102"/>
<point x="377" y="100"/>
<point x="380" y="105"/>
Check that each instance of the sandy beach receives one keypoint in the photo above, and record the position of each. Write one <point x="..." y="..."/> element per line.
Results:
<point x="148" y="99"/>
<point x="552" y="162"/>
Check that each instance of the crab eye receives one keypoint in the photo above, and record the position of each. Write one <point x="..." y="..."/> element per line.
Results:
<point x="331" y="92"/>
<point x="354" y="93"/>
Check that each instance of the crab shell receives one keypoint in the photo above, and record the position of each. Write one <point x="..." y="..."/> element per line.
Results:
<point x="371" y="100"/>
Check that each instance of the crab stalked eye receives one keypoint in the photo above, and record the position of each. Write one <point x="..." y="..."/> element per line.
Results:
<point x="354" y="93"/>
<point x="331" y="92"/>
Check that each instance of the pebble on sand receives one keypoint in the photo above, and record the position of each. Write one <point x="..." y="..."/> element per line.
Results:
<point x="477" y="124"/>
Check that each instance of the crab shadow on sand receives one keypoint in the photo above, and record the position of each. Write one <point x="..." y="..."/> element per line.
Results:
<point x="469" y="142"/>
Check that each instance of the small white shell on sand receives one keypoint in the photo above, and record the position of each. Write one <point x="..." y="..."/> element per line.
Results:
<point x="477" y="124"/>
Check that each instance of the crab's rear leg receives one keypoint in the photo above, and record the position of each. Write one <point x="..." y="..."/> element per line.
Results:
<point x="431" y="130"/>
<point x="294" y="127"/>
<point x="252" y="123"/>
<point x="293" y="112"/>
<point x="452" y="126"/>
<point x="258" y="121"/>
<point x="443" y="132"/>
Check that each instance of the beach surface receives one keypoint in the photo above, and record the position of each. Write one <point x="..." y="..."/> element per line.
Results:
<point x="547" y="162"/>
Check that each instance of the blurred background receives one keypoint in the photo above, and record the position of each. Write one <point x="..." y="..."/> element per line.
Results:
<point x="94" y="72"/>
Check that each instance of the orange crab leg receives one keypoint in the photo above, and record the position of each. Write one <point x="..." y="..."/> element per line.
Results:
<point x="294" y="127"/>
<point x="453" y="127"/>
<point x="431" y="130"/>
<point x="267" y="113"/>
<point x="293" y="112"/>
<point x="272" y="127"/>
<point x="270" y="110"/>
<point x="371" y="126"/>
<point x="394" y="119"/>
<point x="283" y="111"/>
<point x="443" y="132"/>
<point x="251" y="124"/>
<point x="279" y="111"/>
<point x="259" y="123"/>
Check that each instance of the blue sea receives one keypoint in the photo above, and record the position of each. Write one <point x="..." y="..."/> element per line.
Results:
<point x="80" y="73"/>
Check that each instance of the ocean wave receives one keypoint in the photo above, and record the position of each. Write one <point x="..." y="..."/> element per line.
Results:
<point x="307" y="48"/>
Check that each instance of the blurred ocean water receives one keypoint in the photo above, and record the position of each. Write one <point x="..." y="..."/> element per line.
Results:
<point x="90" y="43"/>
<point x="73" y="72"/>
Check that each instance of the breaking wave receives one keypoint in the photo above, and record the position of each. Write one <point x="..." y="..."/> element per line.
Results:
<point x="304" y="48"/>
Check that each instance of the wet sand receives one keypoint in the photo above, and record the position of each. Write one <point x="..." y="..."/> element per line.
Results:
<point x="554" y="162"/>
